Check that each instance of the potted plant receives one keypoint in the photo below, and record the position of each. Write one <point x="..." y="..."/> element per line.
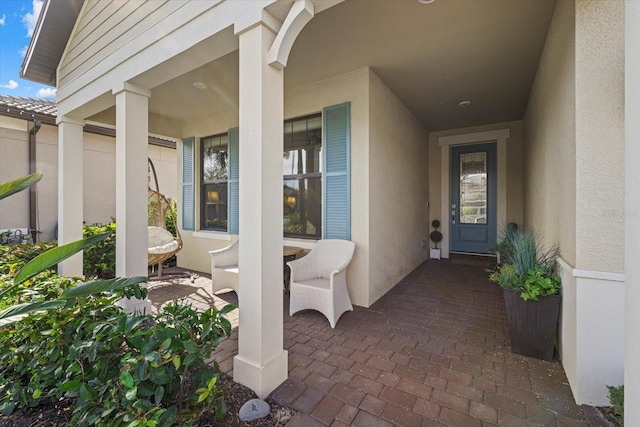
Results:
<point x="436" y="237"/>
<point x="503" y="249"/>
<point x="531" y="290"/>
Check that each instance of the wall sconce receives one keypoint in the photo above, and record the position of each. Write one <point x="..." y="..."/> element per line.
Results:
<point x="213" y="197"/>
<point x="291" y="201"/>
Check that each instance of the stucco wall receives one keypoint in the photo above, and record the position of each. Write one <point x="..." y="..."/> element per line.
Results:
<point x="398" y="177"/>
<point x="99" y="172"/>
<point x="389" y="159"/>
<point x="600" y="135"/>
<point x="550" y="141"/>
<point x="514" y="178"/>
<point x="351" y="87"/>
<point x="14" y="163"/>
<point x="574" y="164"/>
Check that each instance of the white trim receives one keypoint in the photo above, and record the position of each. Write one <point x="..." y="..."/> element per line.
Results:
<point x="500" y="136"/>
<point x="217" y="235"/>
<point x="132" y="88"/>
<point x="591" y="274"/>
<point x="475" y="137"/>
<point x="255" y="18"/>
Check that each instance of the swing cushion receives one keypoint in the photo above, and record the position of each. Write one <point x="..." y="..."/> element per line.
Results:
<point x="160" y="241"/>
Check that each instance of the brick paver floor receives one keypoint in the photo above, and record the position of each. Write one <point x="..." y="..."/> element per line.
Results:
<point x="433" y="351"/>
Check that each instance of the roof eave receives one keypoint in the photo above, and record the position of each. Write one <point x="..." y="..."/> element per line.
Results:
<point x="45" y="51"/>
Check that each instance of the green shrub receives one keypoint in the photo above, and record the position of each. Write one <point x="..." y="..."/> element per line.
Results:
<point x="100" y="259"/>
<point x="5" y="237"/>
<point x="539" y="283"/>
<point x="119" y="369"/>
<point x="529" y="254"/>
<point x="528" y="268"/>
<point x="616" y="397"/>
<point x="507" y="277"/>
<point x="13" y="257"/>
<point x="44" y="286"/>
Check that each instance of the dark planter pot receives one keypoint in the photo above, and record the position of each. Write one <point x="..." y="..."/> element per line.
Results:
<point x="533" y="325"/>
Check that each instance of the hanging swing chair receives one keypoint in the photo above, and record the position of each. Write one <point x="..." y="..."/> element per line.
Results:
<point x="162" y="244"/>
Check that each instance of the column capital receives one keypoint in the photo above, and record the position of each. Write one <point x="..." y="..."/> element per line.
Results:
<point x="130" y="87"/>
<point x="69" y="120"/>
<point x="255" y="18"/>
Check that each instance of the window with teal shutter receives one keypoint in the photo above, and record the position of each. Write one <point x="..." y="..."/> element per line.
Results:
<point x="233" y="214"/>
<point x="337" y="172"/>
<point x="188" y="193"/>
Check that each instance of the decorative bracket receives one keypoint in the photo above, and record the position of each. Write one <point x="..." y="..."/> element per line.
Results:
<point x="300" y="14"/>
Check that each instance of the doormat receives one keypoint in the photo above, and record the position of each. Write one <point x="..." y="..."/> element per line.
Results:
<point x="474" y="263"/>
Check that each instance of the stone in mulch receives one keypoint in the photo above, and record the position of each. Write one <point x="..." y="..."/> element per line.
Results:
<point x="254" y="409"/>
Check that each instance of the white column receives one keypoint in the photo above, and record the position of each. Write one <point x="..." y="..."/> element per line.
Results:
<point x="132" y="135"/>
<point x="261" y="363"/>
<point x="70" y="188"/>
<point x="632" y="217"/>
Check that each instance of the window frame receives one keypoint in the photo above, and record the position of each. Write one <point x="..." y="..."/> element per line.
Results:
<point x="203" y="183"/>
<point x="303" y="176"/>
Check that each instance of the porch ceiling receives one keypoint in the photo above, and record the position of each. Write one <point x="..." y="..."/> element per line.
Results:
<point x="431" y="56"/>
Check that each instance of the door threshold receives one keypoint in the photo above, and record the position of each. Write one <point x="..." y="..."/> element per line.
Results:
<point x="472" y="254"/>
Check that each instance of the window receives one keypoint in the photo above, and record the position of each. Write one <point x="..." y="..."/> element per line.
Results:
<point x="302" y="189"/>
<point x="316" y="190"/>
<point x="215" y="174"/>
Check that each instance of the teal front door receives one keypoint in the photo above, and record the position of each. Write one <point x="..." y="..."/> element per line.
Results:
<point x="473" y="210"/>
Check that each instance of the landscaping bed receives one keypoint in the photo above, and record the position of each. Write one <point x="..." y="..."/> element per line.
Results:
<point x="236" y="395"/>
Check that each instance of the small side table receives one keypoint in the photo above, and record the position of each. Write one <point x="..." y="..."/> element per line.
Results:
<point x="289" y="253"/>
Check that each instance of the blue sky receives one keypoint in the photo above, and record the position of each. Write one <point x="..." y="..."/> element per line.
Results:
<point x="17" y="20"/>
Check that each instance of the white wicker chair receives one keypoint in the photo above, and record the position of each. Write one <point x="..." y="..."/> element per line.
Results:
<point x="319" y="280"/>
<point x="224" y="268"/>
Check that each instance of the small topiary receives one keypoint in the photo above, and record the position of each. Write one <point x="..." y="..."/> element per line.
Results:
<point x="435" y="235"/>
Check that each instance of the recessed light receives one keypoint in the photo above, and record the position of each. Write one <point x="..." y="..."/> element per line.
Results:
<point x="464" y="104"/>
<point x="199" y="85"/>
<point x="426" y="1"/>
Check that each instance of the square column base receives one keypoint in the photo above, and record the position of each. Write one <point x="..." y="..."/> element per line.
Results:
<point x="134" y="305"/>
<point x="261" y="379"/>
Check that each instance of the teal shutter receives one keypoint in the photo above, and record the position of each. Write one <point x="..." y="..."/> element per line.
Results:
<point x="233" y="195"/>
<point x="188" y="186"/>
<point x="336" y="200"/>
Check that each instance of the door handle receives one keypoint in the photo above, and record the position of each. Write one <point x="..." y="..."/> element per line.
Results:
<point x="453" y="217"/>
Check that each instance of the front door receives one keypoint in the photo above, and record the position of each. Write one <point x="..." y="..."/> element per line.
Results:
<point x="473" y="207"/>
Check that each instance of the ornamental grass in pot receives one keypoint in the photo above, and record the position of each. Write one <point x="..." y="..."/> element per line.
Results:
<point x="531" y="289"/>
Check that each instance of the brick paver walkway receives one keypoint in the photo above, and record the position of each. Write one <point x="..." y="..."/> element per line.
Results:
<point x="431" y="352"/>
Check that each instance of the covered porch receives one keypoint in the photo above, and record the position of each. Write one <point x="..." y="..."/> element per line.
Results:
<point x="432" y="351"/>
<point x="545" y="82"/>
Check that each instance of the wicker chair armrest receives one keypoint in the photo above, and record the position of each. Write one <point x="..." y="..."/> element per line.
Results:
<point x="225" y="256"/>
<point x="302" y="269"/>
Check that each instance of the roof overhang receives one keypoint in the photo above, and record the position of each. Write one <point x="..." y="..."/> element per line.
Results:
<point x="49" y="40"/>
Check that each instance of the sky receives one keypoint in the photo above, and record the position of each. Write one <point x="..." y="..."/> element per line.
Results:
<point x="17" y="20"/>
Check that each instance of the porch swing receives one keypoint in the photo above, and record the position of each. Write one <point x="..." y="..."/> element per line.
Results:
<point x="161" y="243"/>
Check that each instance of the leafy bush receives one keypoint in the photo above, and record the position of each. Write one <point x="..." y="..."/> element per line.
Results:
<point x="506" y="244"/>
<point x="616" y="397"/>
<point x="171" y="217"/>
<point x="529" y="254"/>
<point x="44" y="286"/>
<point x="100" y="259"/>
<point x="119" y="369"/>
<point x="14" y="257"/>
<point x="507" y="277"/>
<point x="5" y="237"/>
<point x="529" y="268"/>
<point x="539" y="283"/>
